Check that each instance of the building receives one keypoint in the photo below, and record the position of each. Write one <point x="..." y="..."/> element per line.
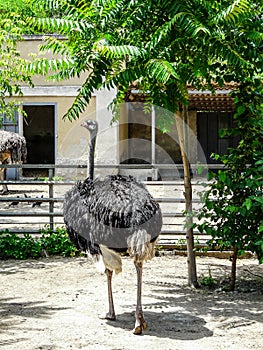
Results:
<point x="135" y="139"/>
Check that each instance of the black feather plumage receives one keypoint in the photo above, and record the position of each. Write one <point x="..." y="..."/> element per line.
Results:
<point x="110" y="211"/>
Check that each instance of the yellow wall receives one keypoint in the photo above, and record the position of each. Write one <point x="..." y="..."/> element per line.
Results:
<point x="30" y="45"/>
<point x="71" y="138"/>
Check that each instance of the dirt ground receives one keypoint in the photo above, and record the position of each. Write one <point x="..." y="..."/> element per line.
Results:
<point x="59" y="303"/>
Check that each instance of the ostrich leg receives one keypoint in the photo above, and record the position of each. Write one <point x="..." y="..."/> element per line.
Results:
<point x="111" y="314"/>
<point x="5" y="158"/>
<point x="140" y="323"/>
<point x="3" y="177"/>
<point x="5" y="189"/>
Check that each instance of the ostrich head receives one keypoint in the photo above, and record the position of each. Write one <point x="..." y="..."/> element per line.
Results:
<point x="91" y="126"/>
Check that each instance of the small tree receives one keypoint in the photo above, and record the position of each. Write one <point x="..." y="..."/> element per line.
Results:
<point x="162" y="45"/>
<point x="13" y="73"/>
<point x="232" y="211"/>
<point x="13" y="25"/>
<point x="18" y="11"/>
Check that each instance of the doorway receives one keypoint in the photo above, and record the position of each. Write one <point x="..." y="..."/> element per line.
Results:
<point x="39" y="131"/>
<point x="146" y="143"/>
<point x="208" y="126"/>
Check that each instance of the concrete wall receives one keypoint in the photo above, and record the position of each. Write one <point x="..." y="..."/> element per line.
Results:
<point x="72" y="140"/>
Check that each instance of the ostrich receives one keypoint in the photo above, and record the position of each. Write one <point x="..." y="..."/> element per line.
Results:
<point x="107" y="216"/>
<point x="12" y="150"/>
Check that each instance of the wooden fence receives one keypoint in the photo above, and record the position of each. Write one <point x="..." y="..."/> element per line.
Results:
<point x="33" y="204"/>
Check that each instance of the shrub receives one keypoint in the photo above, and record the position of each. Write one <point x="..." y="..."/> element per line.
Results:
<point x="233" y="204"/>
<point x="13" y="246"/>
<point x="57" y="243"/>
<point x="25" y="246"/>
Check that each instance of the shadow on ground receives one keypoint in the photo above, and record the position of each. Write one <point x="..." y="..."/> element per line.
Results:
<point x="173" y="325"/>
<point x="179" y="312"/>
<point x="12" y="266"/>
<point x="13" y="314"/>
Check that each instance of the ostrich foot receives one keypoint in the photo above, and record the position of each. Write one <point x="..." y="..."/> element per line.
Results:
<point x="110" y="316"/>
<point x="140" y="324"/>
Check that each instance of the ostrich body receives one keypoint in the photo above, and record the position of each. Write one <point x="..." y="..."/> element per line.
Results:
<point x="106" y="216"/>
<point x="12" y="151"/>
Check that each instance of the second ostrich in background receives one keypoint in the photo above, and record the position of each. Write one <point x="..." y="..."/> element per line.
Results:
<point x="106" y="216"/>
<point x="12" y="151"/>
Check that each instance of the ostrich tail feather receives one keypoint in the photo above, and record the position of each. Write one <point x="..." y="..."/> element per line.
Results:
<point x="98" y="262"/>
<point x="140" y="246"/>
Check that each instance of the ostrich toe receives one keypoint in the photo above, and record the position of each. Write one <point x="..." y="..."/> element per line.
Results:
<point x="140" y="324"/>
<point x="110" y="316"/>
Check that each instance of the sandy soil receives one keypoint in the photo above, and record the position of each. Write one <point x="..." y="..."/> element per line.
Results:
<point x="57" y="303"/>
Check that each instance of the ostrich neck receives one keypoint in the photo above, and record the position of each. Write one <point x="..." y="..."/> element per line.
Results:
<point x="91" y="156"/>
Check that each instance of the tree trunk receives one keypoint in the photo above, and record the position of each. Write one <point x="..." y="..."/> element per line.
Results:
<point x="191" y="262"/>
<point x="233" y="270"/>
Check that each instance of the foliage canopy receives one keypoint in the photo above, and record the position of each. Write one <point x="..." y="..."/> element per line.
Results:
<point x="182" y="42"/>
<point x="13" y="70"/>
<point x="232" y="211"/>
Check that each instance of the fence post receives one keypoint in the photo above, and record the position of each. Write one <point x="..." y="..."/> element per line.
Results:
<point x="51" y="195"/>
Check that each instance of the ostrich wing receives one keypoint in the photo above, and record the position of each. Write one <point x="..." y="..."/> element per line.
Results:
<point x="109" y="211"/>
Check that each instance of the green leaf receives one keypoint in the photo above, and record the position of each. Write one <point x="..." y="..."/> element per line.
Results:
<point x="248" y="203"/>
<point x="223" y="133"/>
<point x="231" y="208"/>
<point x="200" y="169"/>
<point x="258" y="199"/>
<point x="240" y="110"/>
<point x="161" y="70"/>
<point x="119" y="51"/>
<point x="222" y="176"/>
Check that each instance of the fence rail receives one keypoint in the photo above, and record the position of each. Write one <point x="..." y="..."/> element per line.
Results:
<point x="46" y="209"/>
